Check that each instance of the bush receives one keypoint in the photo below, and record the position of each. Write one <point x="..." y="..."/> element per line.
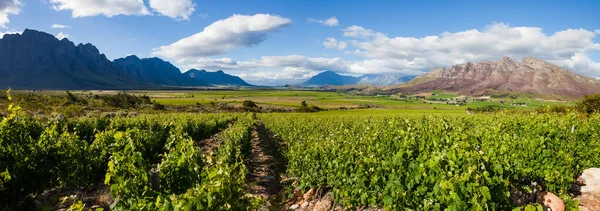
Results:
<point x="72" y="99"/>
<point x="124" y="100"/>
<point x="589" y="105"/>
<point x="73" y="111"/>
<point x="249" y="104"/>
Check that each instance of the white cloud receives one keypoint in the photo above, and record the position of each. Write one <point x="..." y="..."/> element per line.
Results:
<point x="109" y="8"/>
<point x="176" y="9"/>
<point x="8" y="7"/>
<point x="290" y="61"/>
<point x="570" y="48"/>
<point x="567" y="48"/>
<point x="59" y="26"/>
<point x="288" y="75"/>
<point x="8" y="32"/>
<point x="223" y="35"/>
<point x="61" y="36"/>
<point x="358" y="32"/>
<point x="333" y="21"/>
<point x="333" y="43"/>
<point x="597" y="31"/>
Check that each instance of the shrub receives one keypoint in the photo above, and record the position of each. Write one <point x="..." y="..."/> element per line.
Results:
<point x="124" y="100"/>
<point x="249" y="104"/>
<point x="590" y="104"/>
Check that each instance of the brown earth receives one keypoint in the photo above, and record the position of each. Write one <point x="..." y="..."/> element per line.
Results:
<point x="266" y="165"/>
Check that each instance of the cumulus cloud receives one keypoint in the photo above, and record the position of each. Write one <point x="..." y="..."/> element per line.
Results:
<point x="333" y="21"/>
<point x="61" y="36"/>
<point x="223" y="35"/>
<point x="289" y="75"/>
<point x="176" y="9"/>
<point x="358" y="32"/>
<point x="59" y="26"/>
<point x="296" y="68"/>
<point x="333" y="43"/>
<point x="597" y="31"/>
<point x="568" y="47"/>
<point x="8" y="7"/>
<point x="289" y="61"/>
<point x="109" y="8"/>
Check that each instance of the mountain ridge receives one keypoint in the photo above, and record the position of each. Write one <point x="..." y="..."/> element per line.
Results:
<point x="332" y="78"/>
<point x="38" y="60"/>
<point x="529" y="75"/>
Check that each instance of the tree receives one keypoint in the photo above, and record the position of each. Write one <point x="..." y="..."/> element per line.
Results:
<point x="589" y="104"/>
<point x="304" y="104"/>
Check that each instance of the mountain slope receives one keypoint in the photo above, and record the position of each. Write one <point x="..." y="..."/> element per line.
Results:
<point x="37" y="60"/>
<point x="153" y="71"/>
<point x="384" y="79"/>
<point x="214" y="78"/>
<point x="529" y="75"/>
<point x="332" y="78"/>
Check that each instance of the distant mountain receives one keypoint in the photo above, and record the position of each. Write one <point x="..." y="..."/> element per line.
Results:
<point x="333" y="78"/>
<point x="529" y="75"/>
<point x="38" y="60"/>
<point x="153" y="71"/>
<point x="215" y="78"/>
<point x="385" y="79"/>
<point x="330" y="78"/>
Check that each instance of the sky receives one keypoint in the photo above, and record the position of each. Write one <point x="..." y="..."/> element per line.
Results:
<point x="268" y="42"/>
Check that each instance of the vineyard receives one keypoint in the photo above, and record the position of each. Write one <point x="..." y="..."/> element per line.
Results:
<point x="201" y="161"/>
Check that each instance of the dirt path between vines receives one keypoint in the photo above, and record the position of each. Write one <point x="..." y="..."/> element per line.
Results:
<point x="210" y="144"/>
<point x="266" y="165"/>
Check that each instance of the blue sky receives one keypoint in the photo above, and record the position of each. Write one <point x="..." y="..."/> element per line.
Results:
<point x="279" y="42"/>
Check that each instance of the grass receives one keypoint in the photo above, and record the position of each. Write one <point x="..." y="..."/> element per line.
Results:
<point x="327" y="100"/>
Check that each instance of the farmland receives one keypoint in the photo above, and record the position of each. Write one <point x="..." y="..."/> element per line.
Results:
<point x="399" y="154"/>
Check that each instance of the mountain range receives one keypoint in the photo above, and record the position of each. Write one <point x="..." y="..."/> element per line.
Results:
<point x="38" y="60"/>
<point x="333" y="78"/>
<point x="529" y="75"/>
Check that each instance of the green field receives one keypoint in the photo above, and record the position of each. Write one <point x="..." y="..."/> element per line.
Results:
<point x="176" y="150"/>
<point x="327" y="100"/>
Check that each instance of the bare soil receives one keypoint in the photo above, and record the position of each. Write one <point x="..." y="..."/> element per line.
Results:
<point x="266" y="165"/>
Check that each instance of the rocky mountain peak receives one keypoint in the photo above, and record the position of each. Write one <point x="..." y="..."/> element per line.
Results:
<point x="530" y="75"/>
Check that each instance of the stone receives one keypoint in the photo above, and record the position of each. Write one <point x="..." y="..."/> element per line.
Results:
<point x="323" y="205"/>
<point x="550" y="201"/>
<point x="304" y="205"/>
<point x="294" y="207"/>
<point x="309" y="194"/>
<point x="590" y="177"/>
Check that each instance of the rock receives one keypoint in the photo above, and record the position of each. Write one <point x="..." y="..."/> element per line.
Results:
<point x="294" y="207"/>
<point x="589" y="202"/>
<point x="550" y="201"/>
<point x="590" y="191"/>
<point x="304" y="205"/>
<point x="590" y="177"/>
<point x="323" y="205"/>
<point x="309" y="194"/>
